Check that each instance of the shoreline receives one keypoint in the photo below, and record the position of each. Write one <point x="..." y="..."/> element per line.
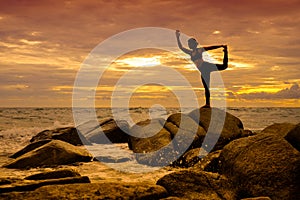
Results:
<point x="207" y="172"/>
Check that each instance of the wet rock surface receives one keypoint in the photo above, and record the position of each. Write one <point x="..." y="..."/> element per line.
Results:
<point x="53" y="153"/>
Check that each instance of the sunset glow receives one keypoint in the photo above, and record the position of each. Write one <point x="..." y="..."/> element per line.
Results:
<point x="43" y="44"/>
<point x="140" y="61"/>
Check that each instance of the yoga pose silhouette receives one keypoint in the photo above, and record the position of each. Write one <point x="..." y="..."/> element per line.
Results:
<point x="204" y="67"/>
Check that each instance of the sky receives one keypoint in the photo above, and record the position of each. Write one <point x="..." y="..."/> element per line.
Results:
<point x="44" y="43"/>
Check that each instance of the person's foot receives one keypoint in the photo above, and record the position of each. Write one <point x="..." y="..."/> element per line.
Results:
<point x="206" y="106"/>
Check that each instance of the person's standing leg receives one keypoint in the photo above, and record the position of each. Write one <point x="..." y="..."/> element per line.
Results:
<point x="205" y="77"/>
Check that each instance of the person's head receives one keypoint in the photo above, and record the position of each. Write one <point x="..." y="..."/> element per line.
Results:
<point x="192" y="42"/>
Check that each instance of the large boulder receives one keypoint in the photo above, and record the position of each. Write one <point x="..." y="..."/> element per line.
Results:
<point x="30" y="147"/>
<point x="189" y="184"/>
<point x="159" y="142"/>
<point x="66" y="134"/>
<point x="141" y="143"/>
<point x="281" y="129"/>
<point x="191" y="157"/>
<point x="290" y="132"/>
<point x="155" y="150"/>
<point x="222" y="127"/>
<point x="262" y="165"/>
<point x="165" y="141"/>
<point x="185" y="131"/>
<point x="105" y="131"/>
<point x="53" y="153"/>
<point x="209" y="163"/>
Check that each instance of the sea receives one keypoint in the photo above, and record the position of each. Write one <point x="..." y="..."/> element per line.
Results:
<point x="44" y="118"/>
<point x="18" y="125"/>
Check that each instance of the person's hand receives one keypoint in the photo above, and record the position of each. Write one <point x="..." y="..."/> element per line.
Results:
<point x="177" y="33"/>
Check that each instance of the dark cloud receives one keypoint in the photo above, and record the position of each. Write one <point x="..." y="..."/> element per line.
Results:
<point x="288" y="93"/>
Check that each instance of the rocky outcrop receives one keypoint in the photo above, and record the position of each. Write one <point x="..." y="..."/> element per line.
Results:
<point x="53" y="153"/>
<point x="168" y="141"/>
<point x="242" y="165"/>
<point x="257" y="198"/>
<point x="281" y="129"/>
<point x="290" y="132"/>
<point x="22" y="187"/>
<point x="105" y="131"/>
<point x="262" y="165"/>
<point x="209" y="163"/>
<point x="160" y="142"/>
<point x="102" y="132"/>
<point x="185" y="132"/>
<point x="221" y="126"/>
<point x="198" y="185"/>
<point x="107" y="190"/>
<point x="67" y="134"/>
<point x="62" y="173"/>
<point x="112" y="159"/>
<point x="30" y="147"/>
<point x="191" y="157"/>
<point x="143" y="143"/>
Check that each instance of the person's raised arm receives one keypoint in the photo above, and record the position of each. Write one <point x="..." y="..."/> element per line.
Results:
<point x="185" y="50"/>
<point x="213" y="47"/>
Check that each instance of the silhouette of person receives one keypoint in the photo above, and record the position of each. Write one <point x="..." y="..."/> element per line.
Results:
<point x="204" y="67"/>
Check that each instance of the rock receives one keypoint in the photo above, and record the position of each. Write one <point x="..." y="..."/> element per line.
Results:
<point x="156" y="150"/>
<point x="262" y="165"/>
<point x="107" y="190"/>
<point x="9" y="180"/>
<point x="247" y="133"/>
<point x="174" y="198"/>
<point x="67" y="134"/>
<point x="36" y="184"/>
<point x="191" y="157"/>
<point x="168" y="139"/>
<point x="290" y="132"/>
<point x="111" y="159"/>
<point x="258" y="198"/>
<point x="222" y="129"/>
<point x="162" y="157"/>
<point x="30" y="147"/>
<point x="62" y="173"/>
<point x="53" y="153"/>
<point x="185" y="132"/>
<point x="209" y="163"/>
<point x="293" y="137"/>
<point x="107" y="131"/>
<point x="5" y="181"/>
<point x="160" y="141"/>
<point x="91" y="125"/>
<point x="279" y="128"/>
<point x="143" y="144"/>
<point x="197" y="185"/>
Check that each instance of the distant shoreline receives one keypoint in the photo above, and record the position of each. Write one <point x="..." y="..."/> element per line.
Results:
<point x="229" y="107"/>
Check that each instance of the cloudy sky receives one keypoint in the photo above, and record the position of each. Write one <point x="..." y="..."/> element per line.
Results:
<point x="43" y="44"/>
